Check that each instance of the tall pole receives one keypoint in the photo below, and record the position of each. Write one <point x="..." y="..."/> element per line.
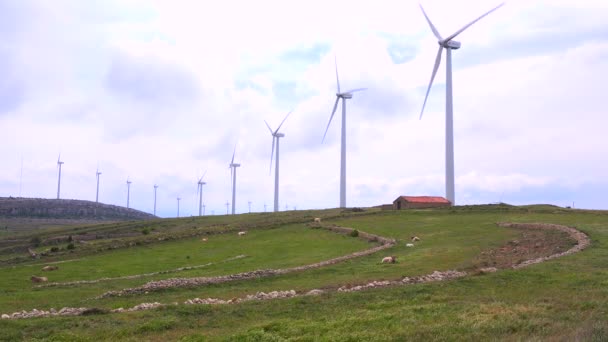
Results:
<point x="178" y="199"/>
<point x="97" y="192"/>
<point x="20" y="176"/>
<point x="265" y="207"/>
<point x="155" y="187"/>
<point x="343" y="158"/>
<point x="59" y="180"/>
<point x="128" y="192"/>
<point x="233" y="189"/>
<point x="203" y="209"/>
<point x="200" y="199"/>
<point x="227" y="205"/>
<point x="276" y="179"/>
<point x="449" y="132"/>
<point x="249" y="203"/>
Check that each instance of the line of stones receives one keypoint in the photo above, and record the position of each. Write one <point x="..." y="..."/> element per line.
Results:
<point x="582" y="239"/>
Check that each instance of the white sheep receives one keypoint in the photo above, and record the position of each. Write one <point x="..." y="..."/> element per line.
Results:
<point x="204" y="239"/>
<point x="242" y="233"/>
<point x="409" y="245"/>
<point x="317" y="220"/>
<point x="415" y="238"/>
<point x="389" y="260"/>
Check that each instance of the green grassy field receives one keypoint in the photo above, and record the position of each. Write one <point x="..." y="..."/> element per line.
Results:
<point x="562" y="299"/>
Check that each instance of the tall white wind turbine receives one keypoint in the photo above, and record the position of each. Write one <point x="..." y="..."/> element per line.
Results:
<point x="178" y="199"/>
<point x="155" y="187"/>
<point x="97" y="173"/>
<point x="344" y="96"/>
<point x="449" y="44"/>
<point x="233" y="167"/>
<point x="275" y="137"/>
<point x="199" y="191"/>
<point x="128" y="191"/>
<point x="59" y="163"/>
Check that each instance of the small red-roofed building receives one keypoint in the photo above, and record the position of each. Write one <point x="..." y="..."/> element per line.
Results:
<point x="419" y="202"/>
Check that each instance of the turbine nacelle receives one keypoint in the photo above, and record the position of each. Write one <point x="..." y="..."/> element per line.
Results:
<point x="278" y="135"/>
<point x="450" y="44"/>
<point x="234" y="165"/>
<point x="345" y="95"/>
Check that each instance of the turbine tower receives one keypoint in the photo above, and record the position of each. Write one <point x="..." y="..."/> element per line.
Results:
<point x="97" y="173"/>
<point x="59" y="163"/>
<point x="128" y="191"/>
<point x="275" y="137"/>
<point x="449" y="44"/>
<point x="178" y="199"/>
<point x="233" y="167"/>
<point x="155" y="187"/>
<point x="344" y="96"/>
<point x="199" y="191"/>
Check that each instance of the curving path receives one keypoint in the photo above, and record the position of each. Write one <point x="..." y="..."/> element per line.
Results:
<point x="581" y="238"/>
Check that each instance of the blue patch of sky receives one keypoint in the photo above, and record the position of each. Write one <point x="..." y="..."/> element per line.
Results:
<point x="305" y="56"/>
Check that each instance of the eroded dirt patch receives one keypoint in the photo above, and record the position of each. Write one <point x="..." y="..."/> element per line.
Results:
<point x="530" y="243"/>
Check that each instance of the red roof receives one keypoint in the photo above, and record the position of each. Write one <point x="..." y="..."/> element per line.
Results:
<point x="424" y="199"/>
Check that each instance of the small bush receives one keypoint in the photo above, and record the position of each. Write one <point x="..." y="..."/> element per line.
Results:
<point x="70" y="246"/>
<point x="35" y="241"/>
<point x="145" y="231"/>
<point x="54" y="249"/>
<point x="354" y="233"/>
<point x="70" y="238"/>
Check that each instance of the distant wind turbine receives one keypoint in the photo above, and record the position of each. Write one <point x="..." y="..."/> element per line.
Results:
<point x="128" y="191"/>
<point x="249" y="203"/>
<point x="59" y="163"/>
<point x="155" y="187"/>
<point x="199" y="191"/>
<point x="227" y="205"/>
<point x="344" y="96"/>
<point x="449" y="44"/>
<point x="97" y="173"/>
<point x="233" y="167"/>
<point x="275" y="137"/>
<point x="178" y="199"/>
<point x="20" y="176"/>
<point x="203" y="209"/>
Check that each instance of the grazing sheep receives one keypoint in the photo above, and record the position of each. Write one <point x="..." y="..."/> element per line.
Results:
<point x="389" y="260"/>
<point x="242" y="233"/>
<point x="32" y="253"/>
<point x="36" y="279"/>
<point x="50" y="268"/>
<point x="204" y="239"/>
<point x="409" y="245"/>
<point x="317" y="220"/>
<point x="415" y="238"/>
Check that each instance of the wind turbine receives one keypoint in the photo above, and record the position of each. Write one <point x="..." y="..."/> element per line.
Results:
<point x="203" y="209"/>
<point x="233" y="167"/>
<point x="199" y="191"/>
<point x="227" y="205"/>
<point x="449" y="44"/>
<point x="97" y="173"/>
<point x="128" y="191"/>
<point x="59" y="163"/>
<point x="344" y="96"/>
<point x="275" y="137"/>
<point x="155" y="187"/>
<point x="178" y="199"/>
<point x="249" y="203"/>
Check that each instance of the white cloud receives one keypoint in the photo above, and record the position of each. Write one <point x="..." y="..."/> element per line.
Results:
<point x="160" y="92"/>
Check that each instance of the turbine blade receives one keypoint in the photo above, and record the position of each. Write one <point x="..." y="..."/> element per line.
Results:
<point x="204" y="173"/>
<point x="271" y="155"/>
<point x="437" y="62"/>
<point x="331" y="117"/>
<point x="355" y="90"/>
<point x="473" y="22"/>
<point x="233" y="153"/>
<point x="283" y="121"/>
<point x="267" y="125"/>
<point x="337" y="78"/>
<point x="435" y="32"/>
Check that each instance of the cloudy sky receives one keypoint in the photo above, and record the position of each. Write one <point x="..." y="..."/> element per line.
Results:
<point x="160" y="91"/>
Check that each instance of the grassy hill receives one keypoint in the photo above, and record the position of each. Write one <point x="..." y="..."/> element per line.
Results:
<point x="561" y="299"/>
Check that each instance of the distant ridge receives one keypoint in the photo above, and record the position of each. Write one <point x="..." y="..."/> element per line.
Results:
<point x="19" y="207"/>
